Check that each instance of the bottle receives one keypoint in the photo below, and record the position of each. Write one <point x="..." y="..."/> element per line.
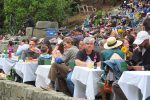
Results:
<point x="5" y="53"/>
<point x="89" y="62"/>
<point x="95" y="64"/>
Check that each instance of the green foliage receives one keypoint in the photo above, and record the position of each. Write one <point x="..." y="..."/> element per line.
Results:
<point x="16" y="11"/>
<point x="99" y="15"/>
<point x="1" y="15"/>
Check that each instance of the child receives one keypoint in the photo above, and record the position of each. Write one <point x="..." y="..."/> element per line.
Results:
<point x="10" y="47"/>
<point x="44" y="58"/>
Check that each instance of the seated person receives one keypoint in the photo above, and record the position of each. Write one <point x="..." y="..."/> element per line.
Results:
<point x="10" y="47"/>
<point x="142" y="52"/>
<point x="139" y="61"/>
<point x="44" y="58"/>
<point x="111" y="51"/>
<point x="58" y="50"/>
<point x="45" y="41"/>
<point x="88" y="51"/>
<point x="22" y="47"/>
<point x="32" y="52"/>
<point x="60" y="68"/>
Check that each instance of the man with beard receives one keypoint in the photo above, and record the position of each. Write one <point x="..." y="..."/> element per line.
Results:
<point x="139" y="61"/>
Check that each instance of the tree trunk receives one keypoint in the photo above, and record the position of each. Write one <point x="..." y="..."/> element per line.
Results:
<point x="104" y="1"/>
<point x="1" y="15"/>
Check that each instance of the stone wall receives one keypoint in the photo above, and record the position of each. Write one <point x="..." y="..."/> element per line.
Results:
<point x="10" y="90"/>
<point x="41" y="28"/>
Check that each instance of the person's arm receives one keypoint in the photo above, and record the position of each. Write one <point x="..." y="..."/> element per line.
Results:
<point x="19" y="51"/>
<point x="83" y="63"/>
<point x="80" y="63"/>
<point x="79" y="59"/>
<point x="24" y="55"/>
<point x="98" y="64"/>
<point x="137" y="68"/>
<point x="102" y="60"/>
<point x="143" y="25"/>
<point x="36" y="50"/>
<point x="143" y="28"/>
<point x="54" y="52"/>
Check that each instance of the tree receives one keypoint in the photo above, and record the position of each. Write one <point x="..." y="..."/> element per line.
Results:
<point x="1" y="16"/>
<point x="43" y="10"/>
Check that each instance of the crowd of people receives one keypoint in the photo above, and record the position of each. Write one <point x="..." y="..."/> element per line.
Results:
<point x="124" y="36"/>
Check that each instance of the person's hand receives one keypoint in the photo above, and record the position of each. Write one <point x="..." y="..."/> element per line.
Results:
<point x="32" y="49"/>
<point x="137" y="68"/>
<point x="35" y="50"/>
<point x="57" y="54"/>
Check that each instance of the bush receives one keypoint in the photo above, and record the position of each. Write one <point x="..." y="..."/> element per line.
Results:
<point x="43" y="10"/>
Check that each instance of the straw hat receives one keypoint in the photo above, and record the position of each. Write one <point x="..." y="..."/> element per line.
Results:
<point x="112" y="43"/>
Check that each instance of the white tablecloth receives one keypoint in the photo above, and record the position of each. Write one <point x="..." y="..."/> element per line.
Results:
<point x="6" y="64"/>
<point x="42" y="76"/>
<point x="131" y="81"/>
<point x="26" y="70"/>
<point x="85" y="81"/>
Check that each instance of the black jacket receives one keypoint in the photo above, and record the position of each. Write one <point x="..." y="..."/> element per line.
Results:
<point x="143" y="59"/>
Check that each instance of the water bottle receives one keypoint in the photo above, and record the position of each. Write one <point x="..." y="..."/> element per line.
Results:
<point x="5" y="53"/>
<point x="89" y="62"/>
<point x="95" y="64"/>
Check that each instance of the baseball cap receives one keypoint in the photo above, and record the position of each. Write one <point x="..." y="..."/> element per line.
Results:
<point x="141" y="36"/>
<point x="148" y="13"/>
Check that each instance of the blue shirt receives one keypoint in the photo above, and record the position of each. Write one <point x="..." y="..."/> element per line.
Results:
<point x="22" y="48"/>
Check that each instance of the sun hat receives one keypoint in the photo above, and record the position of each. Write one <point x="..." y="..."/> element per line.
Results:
<point x="141" y="36"/>
<point x="112" y="43"/>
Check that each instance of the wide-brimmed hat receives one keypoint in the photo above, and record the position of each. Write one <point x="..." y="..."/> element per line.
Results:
<point x="141" y="36"/>
<point x="112" y="43"/>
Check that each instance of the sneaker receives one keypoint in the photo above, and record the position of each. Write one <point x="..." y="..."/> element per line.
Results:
<point x="48" y="88"/>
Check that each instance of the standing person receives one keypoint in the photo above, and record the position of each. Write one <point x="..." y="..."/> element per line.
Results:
<point x="29" y="23"/>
